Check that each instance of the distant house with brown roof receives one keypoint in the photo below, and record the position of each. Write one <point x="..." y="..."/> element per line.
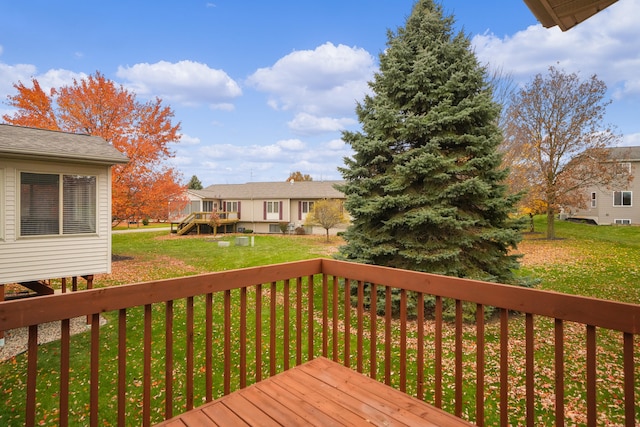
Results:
<point x="264" y="206"/>
<point x="55" y="204"/>
<point x="617" y="205"/>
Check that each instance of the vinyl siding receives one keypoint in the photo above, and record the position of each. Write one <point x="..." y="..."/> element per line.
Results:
<point x="49" y="257"/>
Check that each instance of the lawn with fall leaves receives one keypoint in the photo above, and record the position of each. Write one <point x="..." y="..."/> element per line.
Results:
<point x="585" y="260"/>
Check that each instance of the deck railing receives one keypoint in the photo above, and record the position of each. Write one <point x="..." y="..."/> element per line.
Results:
<point x="194" y="219"/>
<point x="167" y="346"/>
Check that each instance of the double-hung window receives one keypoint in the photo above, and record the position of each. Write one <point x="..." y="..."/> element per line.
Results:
<point x="55" y="204"/>
<point x="622" y="198"/>
<point x="273" y="210"/>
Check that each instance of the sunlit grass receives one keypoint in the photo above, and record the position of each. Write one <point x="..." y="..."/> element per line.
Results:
<point x="587" y="260"/>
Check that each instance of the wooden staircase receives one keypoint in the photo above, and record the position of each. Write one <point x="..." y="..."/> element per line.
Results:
<point x="195" y="220"/>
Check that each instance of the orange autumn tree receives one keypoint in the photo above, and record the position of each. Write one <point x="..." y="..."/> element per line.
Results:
<point x="142" y="131"/>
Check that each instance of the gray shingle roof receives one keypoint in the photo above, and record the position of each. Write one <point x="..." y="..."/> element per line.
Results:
<point x="273" y="190"/>
<point x="29" y="143"/>
<point x="631" y="153"/>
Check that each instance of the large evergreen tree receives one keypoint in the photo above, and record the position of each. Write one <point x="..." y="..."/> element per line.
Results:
<point x="424" y="187"/>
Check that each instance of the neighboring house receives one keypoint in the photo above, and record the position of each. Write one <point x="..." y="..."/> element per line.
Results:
<point x="55" y="204"/>
<point x="607" y="206"/>
<point x="263" y="206"/>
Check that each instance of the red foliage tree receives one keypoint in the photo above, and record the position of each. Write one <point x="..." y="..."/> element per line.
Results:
<point x="142" y="131"/>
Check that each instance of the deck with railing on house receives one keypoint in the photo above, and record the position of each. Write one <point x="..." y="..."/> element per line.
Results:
<point x="210" y="221"/>
<point x="169" y="346"/>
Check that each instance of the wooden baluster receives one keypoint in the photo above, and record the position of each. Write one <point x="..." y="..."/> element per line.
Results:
<point x="122" y="367"/>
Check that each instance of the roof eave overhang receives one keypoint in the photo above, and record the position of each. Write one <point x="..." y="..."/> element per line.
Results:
<point x="565" y="14"/>
<point x="26" y="155"/>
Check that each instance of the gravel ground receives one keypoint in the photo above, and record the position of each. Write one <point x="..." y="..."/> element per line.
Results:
<point x="16" y="340"/>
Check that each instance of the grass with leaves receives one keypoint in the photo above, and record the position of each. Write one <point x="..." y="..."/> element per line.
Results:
<point x="585" y="260"/>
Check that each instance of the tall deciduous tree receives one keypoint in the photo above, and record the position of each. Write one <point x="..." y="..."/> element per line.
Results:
<point x="298" y="176"/>
<point x="424" y="188"/>
<point x="142" y="131"/>
<point x="555" y="142"/>
<point x="327" y="214"/>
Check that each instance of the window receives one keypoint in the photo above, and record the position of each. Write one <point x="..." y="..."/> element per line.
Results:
<point x="208" y="206"/>
<point x="272" y="211"/>
<point x="273" y="207"/>
<point x="623" y="168"/>
<point x="306" y="207"/>
<point x="274" y="228"/>
<point x="622" y="221"/>
<point x="622" y="198"/>
<point x="53" y="204"/>
<point x="593" y="200"/>
<point x="231" y="206"/>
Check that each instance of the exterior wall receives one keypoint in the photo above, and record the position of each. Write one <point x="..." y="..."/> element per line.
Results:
<point x="605" y="213"/>
<point x="47" y="257"/>
<point x="252" y="217"/>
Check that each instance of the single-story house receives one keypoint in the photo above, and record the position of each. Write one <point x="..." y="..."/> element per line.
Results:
<point x="264" y="206"/>
<point x="608" y="206"/>
<point x="55" y="204"/>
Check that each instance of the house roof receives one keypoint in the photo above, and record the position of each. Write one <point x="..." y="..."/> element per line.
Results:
<point x="32" y="143"/>
<point x="565" y="13"/>
<point x="272" y="190"/>
<point x="629" y="154"/>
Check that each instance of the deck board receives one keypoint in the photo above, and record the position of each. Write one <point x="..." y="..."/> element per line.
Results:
<point x="321" y="393"/>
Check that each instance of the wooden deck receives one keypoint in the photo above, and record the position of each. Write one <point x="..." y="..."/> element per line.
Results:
<point x="321" y="393"/>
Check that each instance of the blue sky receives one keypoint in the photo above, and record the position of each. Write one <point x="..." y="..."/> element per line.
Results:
<point x="263" y="89"/>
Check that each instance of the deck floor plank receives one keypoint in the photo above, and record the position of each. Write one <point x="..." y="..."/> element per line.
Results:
<point x="321" y="393"/>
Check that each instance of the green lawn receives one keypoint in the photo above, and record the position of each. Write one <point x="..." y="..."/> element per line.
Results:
<point x="588" y="260"/>
<point x="585" y="260"/>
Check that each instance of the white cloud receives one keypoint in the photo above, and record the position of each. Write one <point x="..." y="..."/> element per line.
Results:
<point x="11" y="74"/>
<point x="607" y="44"/>
<point x="305" y="123"/>
<point x="24" y="73"/>
<point x="291" y="144"/>
<point x="325" y="81"/>
<point x="631" y="140"/>
<point x="187" y="82"/>
<point x="336" y="145"/>
<point x="58" y="78"/>
<point x="189" y="140"/>
<point x="180" y="161"/>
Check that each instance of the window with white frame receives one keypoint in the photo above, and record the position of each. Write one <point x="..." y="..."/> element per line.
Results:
<point x="231" y="206"/>
<point x="622" y="221"/>
<point x="273" y="207"/>
<point x="622" y="198"/>
<point x="208" y="206"/>
<point x="54" y="204"/>
<point x="593" y="200"/>
<point x="306" y="207"/>
<point x="623" y="168"/>
<point x="272" y="210"/>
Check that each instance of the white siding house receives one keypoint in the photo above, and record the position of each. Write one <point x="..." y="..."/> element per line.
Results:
<point x="55" y="204"/>
<point x="264" y="206"/>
